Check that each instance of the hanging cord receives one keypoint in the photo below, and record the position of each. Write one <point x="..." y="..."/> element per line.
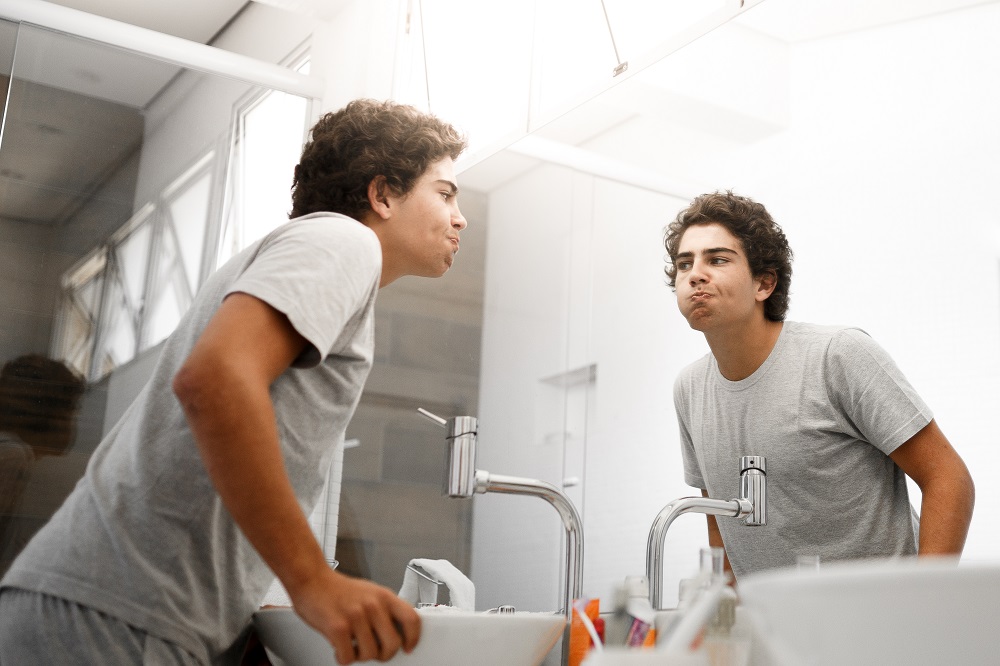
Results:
<point x="622" y="66"/>
<point x="423" y="48"/>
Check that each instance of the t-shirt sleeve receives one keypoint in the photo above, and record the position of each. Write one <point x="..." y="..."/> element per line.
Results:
<point x="319" y="273"/>
<point x="872" y="392"/>
<point x="692" y="469"/>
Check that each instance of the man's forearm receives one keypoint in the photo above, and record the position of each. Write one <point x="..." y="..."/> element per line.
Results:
<point x="945" y="514"/>
<point x="243" y="460"/>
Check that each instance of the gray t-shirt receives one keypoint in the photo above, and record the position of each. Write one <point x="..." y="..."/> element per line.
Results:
<point x="826" y="408"/>
<point x="144" y="536"/>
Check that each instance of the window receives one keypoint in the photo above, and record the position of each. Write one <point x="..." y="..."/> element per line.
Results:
<point x="128" y="295"/>
<point x="81" y="305"/>
<point x="178" y="255"/>
<point x="270" y="131"/>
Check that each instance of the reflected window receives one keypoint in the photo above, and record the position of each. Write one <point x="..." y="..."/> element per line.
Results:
<point x="81" y="307"/>
<point x="129" y="295"/>
<point x="178" y="256"/>
<point x="125" y="281"/>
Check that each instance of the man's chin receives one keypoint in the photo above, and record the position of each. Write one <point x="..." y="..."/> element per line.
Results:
<point x="699" y="321"/>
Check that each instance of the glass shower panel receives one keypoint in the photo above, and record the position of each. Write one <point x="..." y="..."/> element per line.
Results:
<point x="121" y="312"/>
<point x="101" y="248"/>
<point x="179" y="256"/>
<point x="8" y="39"/>
<point x="80" y="308"/>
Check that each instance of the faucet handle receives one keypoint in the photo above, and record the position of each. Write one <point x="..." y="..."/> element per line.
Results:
<point x="433" y="417"/>
<point x="748" y="463"/>
<point x="753" y="487"/>
<point x="456" y="425"/>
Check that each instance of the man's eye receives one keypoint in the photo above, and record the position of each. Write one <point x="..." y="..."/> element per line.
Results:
<point x="683" y="265"/>
<point x="447" y="195"/>
<point x="719" y="260"/>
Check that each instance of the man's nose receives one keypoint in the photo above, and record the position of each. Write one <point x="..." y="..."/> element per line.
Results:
<point x="458" y="220"/>
<point x="697" y="275"/>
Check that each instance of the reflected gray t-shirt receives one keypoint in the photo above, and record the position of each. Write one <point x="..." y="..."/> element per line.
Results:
<point x="144" y="536"/>
<point x="826" y="408"/>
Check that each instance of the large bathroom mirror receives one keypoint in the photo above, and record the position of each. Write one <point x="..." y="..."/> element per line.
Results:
<point x="869" y="131"/>
<point x="867" y="127"/>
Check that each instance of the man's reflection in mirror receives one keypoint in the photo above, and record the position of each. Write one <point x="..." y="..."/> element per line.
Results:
<point x="39" y="400"/>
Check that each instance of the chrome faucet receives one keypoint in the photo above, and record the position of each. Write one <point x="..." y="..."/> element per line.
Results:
<point x="751" y="505"/>
<point x="464" y="480"/>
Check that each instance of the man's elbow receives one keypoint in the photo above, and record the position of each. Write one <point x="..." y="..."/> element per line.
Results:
<point x="969" y="491"/>
<point x="962" y="486"/>
<point x="188" y="385"/>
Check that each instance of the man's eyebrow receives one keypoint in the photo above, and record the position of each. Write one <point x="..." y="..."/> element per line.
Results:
<point x="711" y="250"/>
<point x="452" y="186"/>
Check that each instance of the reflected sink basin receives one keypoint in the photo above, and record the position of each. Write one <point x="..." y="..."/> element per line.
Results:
<point x="889" y="612"/>
<point x="446" y="637"/>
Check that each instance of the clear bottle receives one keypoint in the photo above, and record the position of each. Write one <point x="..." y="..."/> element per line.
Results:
<point x="718" y="631"/>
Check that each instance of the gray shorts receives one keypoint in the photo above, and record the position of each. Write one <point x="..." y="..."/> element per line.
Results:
<point x="38" y="628"/>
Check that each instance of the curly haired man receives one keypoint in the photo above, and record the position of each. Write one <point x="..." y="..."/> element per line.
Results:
<point x="838" y="423"/>
<point x="167" y="545"/>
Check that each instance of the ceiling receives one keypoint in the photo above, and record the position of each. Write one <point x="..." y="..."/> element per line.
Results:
<point x="47" y="188"/>
<point x="194" y="20"/>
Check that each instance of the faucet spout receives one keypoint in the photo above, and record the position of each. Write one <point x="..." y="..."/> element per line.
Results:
<point x="736" y="508"/>
<point x="464" y="480"/>
<point x="752" y="505"/>
<point x="512" y="485"/>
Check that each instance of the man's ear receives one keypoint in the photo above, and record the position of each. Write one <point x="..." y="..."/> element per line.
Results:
<point x="766" y="283"/>
<point x="378" y="197"/>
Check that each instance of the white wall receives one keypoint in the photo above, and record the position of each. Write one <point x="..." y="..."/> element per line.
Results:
<point x="889" y="202"/>
<point x="883" y="178"/>
<point x="195" y="112"/>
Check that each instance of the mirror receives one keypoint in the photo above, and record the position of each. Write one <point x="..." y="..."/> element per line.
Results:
<point x="869" y="132"/>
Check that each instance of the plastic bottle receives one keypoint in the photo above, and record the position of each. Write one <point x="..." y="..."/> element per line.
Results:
<point x="718" y="638"/>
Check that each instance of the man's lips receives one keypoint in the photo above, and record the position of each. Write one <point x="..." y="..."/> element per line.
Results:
<point x="700" y="296"/>
<point x="455" y="241"/>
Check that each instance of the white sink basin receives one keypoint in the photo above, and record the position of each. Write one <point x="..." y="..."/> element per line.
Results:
<point x="912" y="612"/>
<point x="446" y="637"/>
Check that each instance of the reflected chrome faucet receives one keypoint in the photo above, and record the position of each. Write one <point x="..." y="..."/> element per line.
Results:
<point x="751" y="505"/>
<point x="464" y="480"/>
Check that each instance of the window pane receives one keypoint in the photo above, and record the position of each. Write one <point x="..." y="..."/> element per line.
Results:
<point x="188" y="214"/>
<point x="270" y="148"/>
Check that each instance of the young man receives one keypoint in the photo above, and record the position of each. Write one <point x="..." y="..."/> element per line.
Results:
<point x="39" y="400"/>
<point x="837" y="422"/>
<point x="168" y="544"/>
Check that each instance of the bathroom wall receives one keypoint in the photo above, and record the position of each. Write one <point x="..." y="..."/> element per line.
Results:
<point x="878" y="167"/>
<point x="578" y="346"/>
<point x="875" y="150"/>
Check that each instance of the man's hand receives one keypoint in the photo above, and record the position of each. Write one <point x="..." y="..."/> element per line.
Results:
<point x="362" y="620"/>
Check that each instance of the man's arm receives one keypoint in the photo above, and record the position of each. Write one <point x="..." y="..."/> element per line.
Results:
<point x="948" y="494"/>
<point x="715" y="540"/>
<point x="224" y="388"/>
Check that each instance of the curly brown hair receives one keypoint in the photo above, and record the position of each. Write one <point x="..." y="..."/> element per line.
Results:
<point x="366" y="139"/>
<point x="39" y="396"/>
<point x="763" y="241"/>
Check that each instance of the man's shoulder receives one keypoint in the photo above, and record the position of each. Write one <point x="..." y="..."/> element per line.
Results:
<point x="318" y="239"/>
<point x="332" y="225"/>
<point x="825" y="334"/>
<point x="836" y="345"/>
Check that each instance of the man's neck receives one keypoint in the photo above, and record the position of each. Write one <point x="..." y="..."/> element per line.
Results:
<point x="740" y="352"/>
